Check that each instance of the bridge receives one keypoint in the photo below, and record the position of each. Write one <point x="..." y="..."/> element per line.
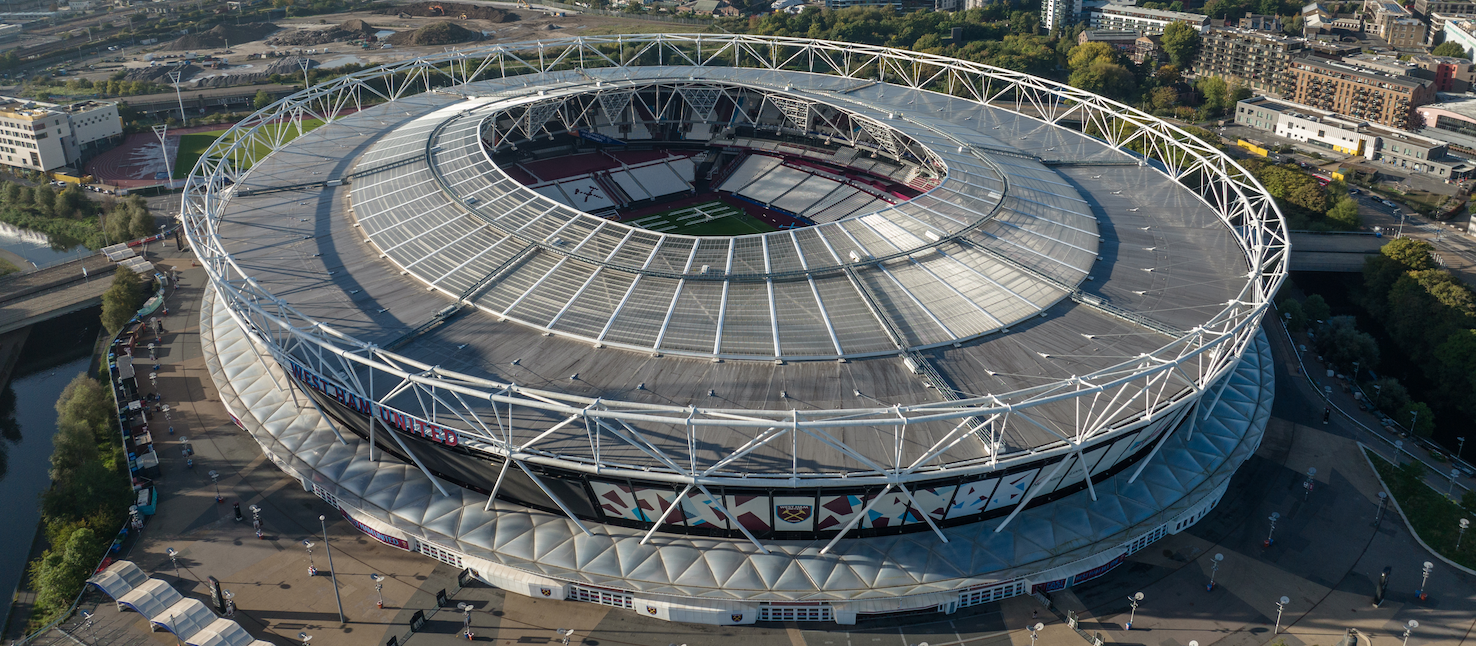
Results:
<point x="32" y="297"/>
<point x="1341" y="252"/>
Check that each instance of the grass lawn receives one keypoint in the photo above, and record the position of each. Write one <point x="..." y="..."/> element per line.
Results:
<point x="705" y="219"/>
<point x="1435" y="519"/>
<point x="191" y="146"/>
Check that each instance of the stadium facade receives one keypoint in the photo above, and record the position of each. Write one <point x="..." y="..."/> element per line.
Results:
<point x="728" y="329"/>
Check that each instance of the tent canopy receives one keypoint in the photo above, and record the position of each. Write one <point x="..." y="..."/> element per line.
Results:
<point x="119" y="579"/>
<point x="151" y="598"/>
<point x="221" y="632"/>
<point x="186" y="618"/>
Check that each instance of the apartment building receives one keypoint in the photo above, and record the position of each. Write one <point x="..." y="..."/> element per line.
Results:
<point x="1254" y="59"/>
<point x="1148" y="21"/>
<point x="1395" y="24"/>
<point x="1359" y="93"/>
<point x="1124" y="41"/>
<point x="1451" y="8"/>
<point x="1059" y="14"/>
<point x="1394" y="147"/>
<point x="1257" y="22"/>
<point x="46" y="136"/>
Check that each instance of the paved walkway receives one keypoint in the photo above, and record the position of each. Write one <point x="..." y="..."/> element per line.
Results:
<point x="1326" y="556"/>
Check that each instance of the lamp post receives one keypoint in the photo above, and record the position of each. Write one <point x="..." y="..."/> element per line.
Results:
<point x="173" y="560"/>
<point x="312" y="571"/>
<point x="1269" y="539"/>
<point x="1214" y="567"/>
<point x="174" y="76"/>
<point x="564" y="634"/>
<point x="1409" y="628"/>
<point x="1035" y="632"/>
<point x="323" y="520"/>
<point x="1132" y="614"/>
<point x="1399" y="452"/>
<point x="88" y="626"/>
<point x="305" y="638"/>
<point x="1462" y="534"/>
<point x="1424" y="578"/>
<point x="1280" y="606"/>
<point x="1460" y="446"/>
<point x="215" y="479"/>
<point x="1307" y="485"/>
<point x="256" y="521"/>
<point x="230" y="609"/>
<point x="161" y="131"/>
<point x="466" y="609"/>
<point x="1451" y="491"/>
<point x="378" y="588"/>
<point x="1383" y="501"/>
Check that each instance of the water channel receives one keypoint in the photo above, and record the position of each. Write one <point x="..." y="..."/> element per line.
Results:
<point x="31" y="247"/>
<point x="28" y="462"/>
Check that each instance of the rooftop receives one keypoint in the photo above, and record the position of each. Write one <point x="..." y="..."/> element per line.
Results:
<point x="1160" y="14"/>
<point x="1340" y="68"/>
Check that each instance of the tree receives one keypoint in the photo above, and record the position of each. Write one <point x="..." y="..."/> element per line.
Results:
<point x="1418" y="414"/>
<point x="1105" y="78"/>
<point x="1084" y="55"/>
<point x="1163" y="98"/>
<point x="1181" y="43"/>
<point x="1450" y="48"/>
<point x="44" y="199"/>
<point x="1345" y="214"/>
<point x="141" y="225"/>
<point x="73" y="203"/>
<point x="1214" y="90"/>
<point x="262" y="100"/>
<point x="1295" y="317"/>
<point x="1342" y="345"/>
<point x="1411" y="254"/>
<point x="1317" y="309"/>
<point x="87" y="403"/>
<point x="122" y="300"/>
<point x="1168" y="75"/>
<point x="1389" y="395"/>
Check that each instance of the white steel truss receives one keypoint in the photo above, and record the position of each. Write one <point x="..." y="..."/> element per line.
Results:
<point x="482" y="411"/>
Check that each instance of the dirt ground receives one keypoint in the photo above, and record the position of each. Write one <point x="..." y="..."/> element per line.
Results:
<point x="529" y="26"/>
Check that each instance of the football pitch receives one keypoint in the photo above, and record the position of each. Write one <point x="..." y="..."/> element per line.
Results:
<point x="705" y="219"/>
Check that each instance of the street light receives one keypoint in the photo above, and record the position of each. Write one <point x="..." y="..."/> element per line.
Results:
<point x="1035" y="632"/>
<point x="1464" y="524"/>
<point x="215" y="479"/>
<point x="1137" y="596"/>
<point x="161" y="131"/>
<point x="230" y="609"/>
<point x="1424" y="578"/>
<point x="1311" y="477"/>
<point x="323" y="520"/>
<point x="1409" y="628"/>
<point x="564" y="633"/>
<point x="1383" y="501"/>
<point x="1280" y="605"/>
<point x="1460" y="446"/>
<point x="312" y="571"/>
<point x="378" y="588"/>
<point x="1214" y="567"/>
<point x="1269" y="540"/>
<point x="466" y="609"/>
<point x="1451" y="491"/>
<point x="173" y="559"/>
<point x="305" y="638"/>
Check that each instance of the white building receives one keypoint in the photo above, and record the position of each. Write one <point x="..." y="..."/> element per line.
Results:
<point x="1147" y="21"/>
<point x="1059" y="14"/>
<point x="1462" y="32"/>
<point x="1393" y="147"/>
<point x="46" y="136"/>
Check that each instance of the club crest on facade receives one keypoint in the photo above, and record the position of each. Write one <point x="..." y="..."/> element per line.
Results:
<point x="792" y="513"/>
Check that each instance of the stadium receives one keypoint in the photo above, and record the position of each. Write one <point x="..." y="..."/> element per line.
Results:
<point x="725" y="329"/>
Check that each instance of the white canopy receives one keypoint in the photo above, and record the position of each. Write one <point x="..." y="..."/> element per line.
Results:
<point x="151" y="598"/>
<point x="119" y="579"/>
<point x="186" y="618"/>
<point x="221" y="632"/>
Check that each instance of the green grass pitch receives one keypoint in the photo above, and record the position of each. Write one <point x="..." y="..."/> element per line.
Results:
<point x="705" y="219"/>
